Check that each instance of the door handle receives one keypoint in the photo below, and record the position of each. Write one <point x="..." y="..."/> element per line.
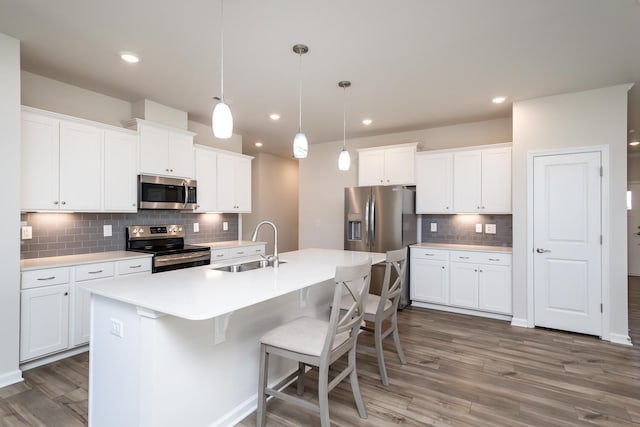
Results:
<point x="541" y="251"/>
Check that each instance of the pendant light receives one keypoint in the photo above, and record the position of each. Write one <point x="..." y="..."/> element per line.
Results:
<point x="300" y="144"/>
<point x="344" y="160"/>
<point x="221" y="119"/>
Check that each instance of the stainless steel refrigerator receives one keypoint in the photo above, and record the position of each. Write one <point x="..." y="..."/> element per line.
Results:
<point x="380" y="219"/>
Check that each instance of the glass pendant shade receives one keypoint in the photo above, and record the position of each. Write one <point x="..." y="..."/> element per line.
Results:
<point x="222" y="121"/>
<point x="300" y="146"/>
<point x="344" y="160"/>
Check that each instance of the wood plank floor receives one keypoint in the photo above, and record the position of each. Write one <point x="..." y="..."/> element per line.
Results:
<point x="462" y="371"/>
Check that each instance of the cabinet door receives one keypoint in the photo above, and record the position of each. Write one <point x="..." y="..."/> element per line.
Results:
<point x="399" y="166"/>
<point x="429" y="281"/>
<point x="464" y="284"/>
<point x="120" y="172"/>
<point x="494" y="284"/>
<point x="154" y="150"/>
<point x="181" y="155"/>
<point x="44" y="321"/>
<point x="496" y="180"/>
<point x="206" y="176"/>
<point x="80" y="317"/>
<point x="467" y="181"/>
<point x="80" y="167"/>
<point x="434" y="183"/>
<point x="243" y="184"/>
<point x="39" y="162"/>
<point x="226" y="183"/>
<point x="371" y="167"/>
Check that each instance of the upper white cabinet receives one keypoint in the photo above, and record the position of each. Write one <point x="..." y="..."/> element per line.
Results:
<point x="233" y="183"/>
<point x="61" y="164"/>
<point x="164" y="150"/>
<point x="434" y="178"/>
<point x="482" y="181"/>
<point x="120" y="171"/>
<point x="391" y="165"/>
<point x="464" y="181"/>
<point x="206" y="161"/>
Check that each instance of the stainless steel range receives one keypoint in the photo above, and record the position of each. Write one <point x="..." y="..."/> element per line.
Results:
<point x="166" y="243"/>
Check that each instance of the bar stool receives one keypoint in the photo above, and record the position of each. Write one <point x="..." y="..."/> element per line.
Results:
<point x="379" y="308"/>
<point x="319" y="343"/>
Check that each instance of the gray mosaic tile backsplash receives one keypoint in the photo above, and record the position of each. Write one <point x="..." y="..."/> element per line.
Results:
<point x="56" y="234"/>
<point x="461" y="229"/>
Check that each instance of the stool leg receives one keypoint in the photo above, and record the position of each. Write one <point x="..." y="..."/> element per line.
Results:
<point x="380" y="353"/>
<point x="323" y="395"/>
<point x="355" y="386"/>
<point x="300" y="389"/>
<point x="396" y="339"/>
<point x="261" y="415"/>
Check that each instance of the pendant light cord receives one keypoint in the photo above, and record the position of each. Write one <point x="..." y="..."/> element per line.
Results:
<point x="344" y="118"/>
<point x="222" y="51"/>
<point x="300" y="94"/>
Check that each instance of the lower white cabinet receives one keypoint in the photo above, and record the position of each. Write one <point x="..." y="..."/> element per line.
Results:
<point x="55" y="311"/>
<point x="466" y="279"/>
<point x="235" y="253"/>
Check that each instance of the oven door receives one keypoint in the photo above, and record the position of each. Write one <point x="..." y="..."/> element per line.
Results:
<point x="180" y="260"/>
<point x="159" y="192"/>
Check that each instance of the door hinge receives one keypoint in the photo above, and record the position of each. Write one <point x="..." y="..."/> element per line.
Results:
<point x="600" y="308"/>
<point x="601" y="171"/>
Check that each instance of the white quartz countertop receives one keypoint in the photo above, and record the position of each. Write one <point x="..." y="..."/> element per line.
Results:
<point x="203" y="293"/>
<point x="69" y="260"/>
<point x="457" y="247"/>
<point x="230" y="244"/>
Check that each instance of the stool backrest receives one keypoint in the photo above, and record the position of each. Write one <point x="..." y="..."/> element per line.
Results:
<point x="396" y="260"/>
<point x="350" y="280"/>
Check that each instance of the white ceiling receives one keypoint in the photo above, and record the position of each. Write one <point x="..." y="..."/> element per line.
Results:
<point x="413" y="64"/>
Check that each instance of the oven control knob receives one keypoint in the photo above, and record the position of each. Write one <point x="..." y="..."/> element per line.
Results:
<point x="134" y="231"/>
<point x="141" y="230"/>
<point x="180" y="229"/>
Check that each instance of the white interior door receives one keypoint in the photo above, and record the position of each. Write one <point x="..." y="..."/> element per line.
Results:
<point x="633" y="224"/>
<point x="567" y="247"/>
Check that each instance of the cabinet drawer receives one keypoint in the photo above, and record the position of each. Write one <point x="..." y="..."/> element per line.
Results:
<point x="218" y="255"/>
<point x="245" y="251"/>
<point x="428" y="253"/>
<point x="94" y="271"/>
<point x="255" y="250"/>
<point x="132" y="266"/>
<point x="45" y="277"/>
<point x="481" y="257"/>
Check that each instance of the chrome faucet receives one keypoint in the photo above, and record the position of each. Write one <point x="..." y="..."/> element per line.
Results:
<point x="273" y="260"/>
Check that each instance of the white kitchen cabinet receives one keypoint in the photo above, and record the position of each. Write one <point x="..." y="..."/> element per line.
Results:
<point x="494" y="288"/>
<point x="120" y="171"/>
<point x="61" y="164"/>
<point x="230" y="254"/>
<point x="206" y="164"/>
<point x="44" y="320"/>
<point x="80" y="313"/>
<point x="391" y="165"/>
<point x="233" y="183"/>
<point x="464" y="285"/>
<point x="164" y="150"/>
<point x="434" y="183"/>
<point x="482" y="181"/>
<point x="429" y="276"/>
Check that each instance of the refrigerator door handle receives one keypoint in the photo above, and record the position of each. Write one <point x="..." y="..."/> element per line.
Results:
<point x="366" y="221"/>
<point x="373" y="222"/>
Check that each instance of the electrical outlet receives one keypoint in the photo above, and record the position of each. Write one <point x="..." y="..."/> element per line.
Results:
<point x="490" y="228"/>
<point x="117" y="328"/>
<point x="225" y="226"/>
<point x="434" y="227"/>
<point x="26" y="232"/>
<point x="196" y="227"/>
<point x="107" y="230"/>
<point x="478" y="228"/>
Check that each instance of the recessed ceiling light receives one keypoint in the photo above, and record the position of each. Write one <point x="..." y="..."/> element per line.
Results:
<point x="274" y="116"/>
<point x="258" y="144"/>
<point x="499" y="99"/>
<point x="129" y="57"/>
<point x="367" y="122"/>
<point x="634" y="143"/>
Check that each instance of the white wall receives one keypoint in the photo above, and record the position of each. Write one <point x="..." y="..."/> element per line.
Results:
<point x="10" y="212"/>
<point x="205" y="137"/>
<point x="322" y="184"/>
<point x="590" y="118"/>
<point x="274" y="197"/>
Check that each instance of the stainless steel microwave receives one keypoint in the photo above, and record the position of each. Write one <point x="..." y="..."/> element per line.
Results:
<point x="159" y="192"/>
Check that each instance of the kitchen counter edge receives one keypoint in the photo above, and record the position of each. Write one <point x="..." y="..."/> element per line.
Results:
<point x="461" y="247"/>
<point x="71" y="260"/>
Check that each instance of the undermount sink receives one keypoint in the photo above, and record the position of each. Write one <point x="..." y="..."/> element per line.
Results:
<point x="246" y="266"/>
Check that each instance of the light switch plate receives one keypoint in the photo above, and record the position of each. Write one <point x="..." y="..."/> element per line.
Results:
<point x="434" y="227"/>
<point x="26" y="232"/>
<point x="117" y="328"/>
<point x="490" y="228"/>
<point x="225" y="226"/>
<point x="196" y="227"/>
<point x="478" y="228"/>
<point x="107" y="230"/>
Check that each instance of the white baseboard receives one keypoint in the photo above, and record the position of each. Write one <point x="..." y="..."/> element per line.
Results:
<point x="620" y="339"/>
<point x="461" y="310"/>
<point x="520" y="323"/>
<point x="10" y="378"/>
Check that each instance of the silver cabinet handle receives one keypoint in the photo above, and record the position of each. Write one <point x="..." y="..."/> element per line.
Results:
<point x="463" y="257"/>
<point x="430" y="254"/>
<point x="541" y="251"/>
<point x="95" y="272"/>
<point x="135" y="266"/>
<point x="64" y="203"/>
<point x="56" y="202"/>
<point x="47" y="278"/>
<point x="494" y="259"/>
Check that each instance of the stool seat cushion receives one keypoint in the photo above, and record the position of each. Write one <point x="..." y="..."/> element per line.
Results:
<point x="370" y="303"/>
<point x="304" y="335"/>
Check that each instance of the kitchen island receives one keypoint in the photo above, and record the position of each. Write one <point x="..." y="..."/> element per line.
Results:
<point x="182" y="347"/>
